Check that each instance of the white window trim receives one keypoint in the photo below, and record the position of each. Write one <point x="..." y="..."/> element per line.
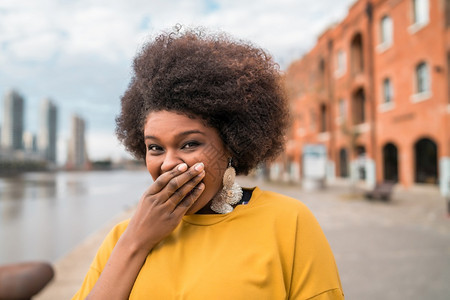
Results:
<point x="383" y="99"/>
<point x="415" y="27"/>
<point x="425" y="95"/>
<point x="384" y="46"/>
<point x="419" y="97"/>
<point x="386" y="106"/>
<point x="323" y="137"/>
<point x="364" y="127"/>
<point x="412" y="29"/>
<point x="339" y="72"/>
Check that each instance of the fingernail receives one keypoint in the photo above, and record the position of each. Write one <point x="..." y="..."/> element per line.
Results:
<point x="182" y="167"/>
<point x="199" y="166"/>
<point x="201" y="186"/>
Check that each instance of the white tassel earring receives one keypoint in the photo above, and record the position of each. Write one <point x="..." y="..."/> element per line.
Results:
<point x="230" y="194"/>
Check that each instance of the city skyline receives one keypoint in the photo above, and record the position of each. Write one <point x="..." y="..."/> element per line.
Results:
<point x="80" y="54"/>
<point x="18" y="144"/>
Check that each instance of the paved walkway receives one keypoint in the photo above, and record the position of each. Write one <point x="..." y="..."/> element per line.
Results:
<point x="384" y="250"/>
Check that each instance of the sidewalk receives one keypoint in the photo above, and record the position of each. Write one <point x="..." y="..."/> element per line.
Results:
<point x="384" y="250"/>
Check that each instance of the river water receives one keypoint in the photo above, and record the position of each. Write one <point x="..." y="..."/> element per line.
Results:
<point x="45" y="215"/>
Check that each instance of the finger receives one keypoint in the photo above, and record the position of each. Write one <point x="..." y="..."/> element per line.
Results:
<point x="185" y="190"/>
<point x="188" y="201"/>
<point x="179" y="181"/>
<point x="165" y="178"/>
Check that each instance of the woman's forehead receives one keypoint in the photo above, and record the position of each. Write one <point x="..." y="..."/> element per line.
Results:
<point x="166" y="122"/>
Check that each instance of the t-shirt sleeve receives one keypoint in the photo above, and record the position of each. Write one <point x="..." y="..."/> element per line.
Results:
<point x="315" y="274"/>
<point x="100" y="261"/>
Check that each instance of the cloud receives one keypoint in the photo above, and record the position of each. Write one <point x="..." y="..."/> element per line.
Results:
<point x="80" y="52"/>
<point x="104" y="145"/>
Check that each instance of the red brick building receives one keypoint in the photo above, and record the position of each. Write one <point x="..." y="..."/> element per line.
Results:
<point x="374" y="91"/>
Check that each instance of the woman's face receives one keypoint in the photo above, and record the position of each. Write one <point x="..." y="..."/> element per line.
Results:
<point x="172" y="138"/>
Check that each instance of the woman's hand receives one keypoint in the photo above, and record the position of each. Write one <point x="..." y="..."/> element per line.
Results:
<point x="162" y="206"/>
<point x="158" y="213"/>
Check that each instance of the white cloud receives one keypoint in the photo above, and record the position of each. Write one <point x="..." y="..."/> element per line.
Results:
<point x="104" y="145"/>
<point x="80" y="52"/>
<point x="43" y="45"/>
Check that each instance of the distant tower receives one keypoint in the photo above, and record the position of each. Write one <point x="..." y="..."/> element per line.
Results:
<point x="48" y="130"/>
<point x="29" y="142"/>
<point x="12" y="129"/>
<point x="77" y="156"/>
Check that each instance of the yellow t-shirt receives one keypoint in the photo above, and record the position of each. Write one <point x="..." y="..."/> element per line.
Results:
<point x="271" y="248"/>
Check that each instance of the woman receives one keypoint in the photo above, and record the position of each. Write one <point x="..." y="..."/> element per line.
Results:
<point x="199" y="109"/>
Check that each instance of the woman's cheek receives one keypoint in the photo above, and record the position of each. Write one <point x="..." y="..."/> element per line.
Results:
<point x="151" y="168"/>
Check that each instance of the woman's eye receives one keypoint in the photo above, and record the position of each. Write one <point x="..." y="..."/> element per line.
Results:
<point x="190" y="145"/>
<point x="153" y="148"/>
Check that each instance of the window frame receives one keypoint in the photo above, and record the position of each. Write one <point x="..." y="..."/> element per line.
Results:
<point x="341" y="63"/>
<point x="388" y="90"/>
<point x="386" y="33"/>
<point x="422" y="84"/>
<point x="420" y="15"/>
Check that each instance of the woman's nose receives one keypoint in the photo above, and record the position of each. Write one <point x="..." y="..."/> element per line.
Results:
<point x="171" y="159"/>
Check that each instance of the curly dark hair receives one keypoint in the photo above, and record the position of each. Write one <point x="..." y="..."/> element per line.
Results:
<point x="232" y="85"/>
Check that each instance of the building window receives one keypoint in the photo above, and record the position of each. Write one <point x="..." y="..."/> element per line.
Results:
<point x="322" y="73"/>
<point x="359" y="103"/>
<point x="312" y="124"/>
<point x="386" y="33"/>
<point x="420" y="12"/>
<point x="420" y="15"/>
<point x="342" y="108"/>
<point x="323" y="118"/>
<point x="387" y="91"/>
<point x="341" y="63"/>
<point x="422" y="78"/>
<point x="422" y="83"/>
<point x="357" y="57"/>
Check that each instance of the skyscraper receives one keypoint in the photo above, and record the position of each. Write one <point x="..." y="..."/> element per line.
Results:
<point x="12" y="129"/>
<point x="48" y="130"/>
<point x="29" y="142"/>
<point x="77" y="155"/>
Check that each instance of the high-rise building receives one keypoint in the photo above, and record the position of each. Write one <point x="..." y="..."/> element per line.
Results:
<point x="77" y="155"/>
<point x="12" y="129"/>
<point x="29" y="142"/>
<point x="48" y="130"/>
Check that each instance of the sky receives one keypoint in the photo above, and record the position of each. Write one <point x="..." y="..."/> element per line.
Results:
<point x="79" y="52"/>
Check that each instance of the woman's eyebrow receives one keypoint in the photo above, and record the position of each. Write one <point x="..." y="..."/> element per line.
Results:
<point x="184" y="133"/>
<point x="181" y="134"/>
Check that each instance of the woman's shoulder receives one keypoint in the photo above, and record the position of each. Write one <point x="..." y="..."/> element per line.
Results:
<point x="114" y="234"/>
<point x="282" y="212"/>
<point x="118" y="229"/>
<point x="277" y="202"/>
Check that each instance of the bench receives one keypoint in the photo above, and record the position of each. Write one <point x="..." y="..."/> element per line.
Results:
<point x="382" y="191"/>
